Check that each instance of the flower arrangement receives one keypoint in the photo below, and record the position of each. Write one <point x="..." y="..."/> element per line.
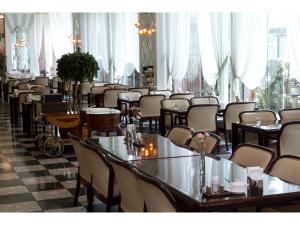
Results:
<point x="199" y="139"/>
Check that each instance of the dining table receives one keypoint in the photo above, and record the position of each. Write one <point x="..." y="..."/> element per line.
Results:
<point x="178" y="168"/>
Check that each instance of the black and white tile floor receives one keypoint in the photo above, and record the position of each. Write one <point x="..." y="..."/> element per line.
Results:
<point x="32" y="182"/>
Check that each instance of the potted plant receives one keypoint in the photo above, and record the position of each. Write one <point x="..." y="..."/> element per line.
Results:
<point x="77" y="67"/>
<point x="2" y="65"/>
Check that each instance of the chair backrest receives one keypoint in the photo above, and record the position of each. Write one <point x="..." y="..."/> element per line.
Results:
<point x="80" y="152"/>
<point x="289" y="114"/>
<point x="86" y="87"/>
<point x="178" y="102"/>
<point x="232" y="111"/>
<point x="144" y="91"/>
<point x="253" y="155"/>
<point x="11" y="84"/>
<point x="179" y="135"/>
<point x="132" y="199"/>
<point x="130" y="95"/>
<point x="101" y="169"/>
<point x="99" y="89"/>
<point x="204" y="100"/>
<point x="157" y="196"/>
<point x="55" y="82"/>
<point x="98" y="84"/>
<point x="203" y="117"/>
<point x="287" y="168"/>
<point x="150" y="105"/>
<point x="187" y="96"/>
<point x="111" y="85"/>
<point x="252" y="116"/>
<point x="111" y="97"/>
<point x="42" y="81"/>
<point x="210" y="143"/>
<point x="22" y="98"/>
<point x="166" y="93"/>
<point x="22" y="86"/>
<point x="289" y="141"/>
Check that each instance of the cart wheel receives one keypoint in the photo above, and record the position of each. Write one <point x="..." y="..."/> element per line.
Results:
<point x="40" y="141"/>
<point x="53" y="146"/>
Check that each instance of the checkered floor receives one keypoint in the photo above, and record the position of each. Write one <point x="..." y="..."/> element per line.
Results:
<point x="32" y="182"/>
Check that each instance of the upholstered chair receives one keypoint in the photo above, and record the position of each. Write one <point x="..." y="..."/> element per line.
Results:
<point x="98" y="84"/>
<point x="132" y="199"/>
<point x="203" y="117"/>
<point x="149" y="106"/>
<point x="144" y="91"/>
<point x="128" y="95"/>
<point x="179" y="135"/>
<point x="187" y="96"/>
<point x="84" y="175"/>
<point x="166" y="93"/>
<point x="42" y="81"/>
<point x="231" y="115"/>
<point x="210" y="143"/>
<point x="103" y="183"/>
<point x="253" y="155"/>
<point x="54" y="84"/>
<point x="22" y="98"/>
<point x="204" y="100"/>
<point x="289" y="139"/>
<point x="156" y="195"/>
<point x="22" y="86"/>
<point x="110" y="98"/>
<point x="289" y="114"/>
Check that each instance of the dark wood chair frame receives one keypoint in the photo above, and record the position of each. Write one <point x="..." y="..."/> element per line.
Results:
<point x="209" y="97"/>
<point x="282" y="110"/>
<point x="280" y="133"/>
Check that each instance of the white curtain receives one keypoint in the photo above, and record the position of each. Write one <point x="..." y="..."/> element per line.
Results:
<point x="221" y="43"/>
<point x="161" y="52"/>
<point x="248" y="48"/>
<point x="208" y="59"/>
<point x="61" y="27"/>
<point x="13" y="20"/>
<point x="48" y="47"/>
<point x="36" y="34"/>
<point x="95" y="37"/>
<point x="292" y="21"/>
<point x="177" y="40"/>
<point x="125" y="43"/>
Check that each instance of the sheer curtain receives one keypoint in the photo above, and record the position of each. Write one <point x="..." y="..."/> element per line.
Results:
<point x="208" y="59"/>
<point x="125" y="43"/>
<point x="221" y="42"/>
<point x="292" y="21"/>
<point x="36" y="34"/>
<point x="177" y="40"/>
<point x="48" y="47"/>
<point x="248" y="48"/>
<point x="94" y="38"/>
<point x="61" y="27"/>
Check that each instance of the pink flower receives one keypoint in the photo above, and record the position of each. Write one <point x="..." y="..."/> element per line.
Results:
<point x="200" y="136"/>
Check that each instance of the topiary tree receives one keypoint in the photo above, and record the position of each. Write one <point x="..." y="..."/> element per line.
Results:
<point x="77" y="67"/>
<point x="2" y="65"/>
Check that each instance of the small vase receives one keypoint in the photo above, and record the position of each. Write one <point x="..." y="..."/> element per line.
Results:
<point x="202" y="169"/>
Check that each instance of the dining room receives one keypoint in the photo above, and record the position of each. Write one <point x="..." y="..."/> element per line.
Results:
<point x="136" y="111"/>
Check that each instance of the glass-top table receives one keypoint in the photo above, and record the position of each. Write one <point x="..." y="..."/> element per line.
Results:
<point x="182" y="177"/>
<point x="155" y="147"/>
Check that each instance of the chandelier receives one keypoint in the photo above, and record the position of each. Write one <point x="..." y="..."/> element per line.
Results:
<point x="145" y="29"/>
<point x="75" y="40"/>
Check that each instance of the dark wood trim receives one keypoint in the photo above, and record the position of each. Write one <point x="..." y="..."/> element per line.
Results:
<point x="209" y="97"/>
<point x="256" y="111"/>
<point x="282" y="110"/>
<point x="284" y="125"/>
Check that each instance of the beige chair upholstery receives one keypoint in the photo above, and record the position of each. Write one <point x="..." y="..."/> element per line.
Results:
<point x="130" y="95"/>
<point x="204" y="100"/>
<point x="122" y="86"/>
<point x="111" y="85"/>
<point x="86" y="87"/>
<point x="253" y="155"/>
<point x="110" y="98"/>
<point x="157" y="196"/>
<point x="149" y="106"/>
<point x="10" y="85"/>
<point x="187" y="96"/>
<point x="179" y="135"/>
<point x="210" y="143"/>
<point x="103" y="177"/>
<point x="22" y="98"/>
<point x="98" y="84"/>
<point x="166" y="93"/>
<point x="42" y="81"/>
<point x="252" y="116"/>
<point x="287" y="168"/>
<point x="172" y="103"/>
<point x="99" y="89"/>
<point x="22" y="86"/>
<point x="84" y="169"/>
<point x="132" y="199"/>
<point x="203" y="117"/>
<point x="290" y="114"/>
<point x="144" y="91"/>
<point x="289" y="139"/>
<point x="231" y="115"/>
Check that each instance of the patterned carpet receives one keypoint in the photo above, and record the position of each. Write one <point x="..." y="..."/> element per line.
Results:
<point x="31" y="181"/>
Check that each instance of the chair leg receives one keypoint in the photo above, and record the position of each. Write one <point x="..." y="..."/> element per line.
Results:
<point x="77" y="190"/>
<point x="90" y="199"/>
<point x="150" y="124"/>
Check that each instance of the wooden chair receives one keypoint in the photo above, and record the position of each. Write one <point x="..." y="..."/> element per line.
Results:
<point x="144" y="91"/>
<point x="289" y="139"/>
<point x="289" y="114"/>
<point x="179" y="135"/>
<point x="204" y="100"/>
<point x="210" y="144"/>
<point x="187" y="96"/>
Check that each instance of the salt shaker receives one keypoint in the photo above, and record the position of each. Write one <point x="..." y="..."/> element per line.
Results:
<point x="215" y="184"/>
